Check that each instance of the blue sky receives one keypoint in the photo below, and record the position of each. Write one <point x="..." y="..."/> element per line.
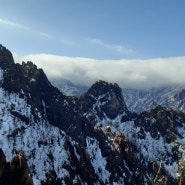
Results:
<point x="101" y="30"/>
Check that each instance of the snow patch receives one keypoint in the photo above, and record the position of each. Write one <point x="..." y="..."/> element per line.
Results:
<point x="98" y="161"/>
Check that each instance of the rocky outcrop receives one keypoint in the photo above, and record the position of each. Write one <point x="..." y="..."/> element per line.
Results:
<point x="15" y="172"/>
<point x="102" y="100"/>
<point x="6" y="58"/>
<point x="161" y="121"/>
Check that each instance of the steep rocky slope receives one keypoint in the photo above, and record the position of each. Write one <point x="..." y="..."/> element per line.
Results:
<point x="91" y="139"/>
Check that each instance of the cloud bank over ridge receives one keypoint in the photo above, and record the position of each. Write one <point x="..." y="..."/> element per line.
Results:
<point x="146" y="73"/>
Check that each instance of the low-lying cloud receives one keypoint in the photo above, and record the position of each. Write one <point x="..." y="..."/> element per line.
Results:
<point x="146" y="73"/>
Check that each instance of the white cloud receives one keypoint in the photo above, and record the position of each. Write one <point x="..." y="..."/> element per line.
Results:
<point x="46" y="35"/>
<point x="38" y="33"/>
<point x="127" y="73"/>
<point x="23" y="27"/>
<point x="114" y="47"/>
<point x="13" y="24"/>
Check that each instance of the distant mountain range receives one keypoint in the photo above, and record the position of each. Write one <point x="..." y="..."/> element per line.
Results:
<point x="172" y="96"/>
<point x="93" y="139"/>
<point x="137" y="100"/>
<point x="67" y="87"/>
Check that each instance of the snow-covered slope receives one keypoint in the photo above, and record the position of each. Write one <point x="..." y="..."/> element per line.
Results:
<point x="42" y="143"/>
<point x="159" y="139"/>
<point x="171" y="96"/>
<point x="46" y="147"/>
<point x="92" y="139"/>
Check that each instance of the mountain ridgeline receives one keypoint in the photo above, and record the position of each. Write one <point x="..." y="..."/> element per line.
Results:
<point x="91" y="139"/>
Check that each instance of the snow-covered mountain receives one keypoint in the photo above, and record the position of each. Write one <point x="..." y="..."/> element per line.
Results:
<point x="137" y="100"/>
<point x="172" y="96"/>
<point x="67" y="87"/>
<point x="92" y="139"/>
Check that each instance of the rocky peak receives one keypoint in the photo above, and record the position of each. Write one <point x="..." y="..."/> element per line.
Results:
<point x="29" y="68"/>
<point x="32" y="84"/>
<point x="101" y="87"/>
<point x="104" y="99"/>
<point x="6" y="58"/>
